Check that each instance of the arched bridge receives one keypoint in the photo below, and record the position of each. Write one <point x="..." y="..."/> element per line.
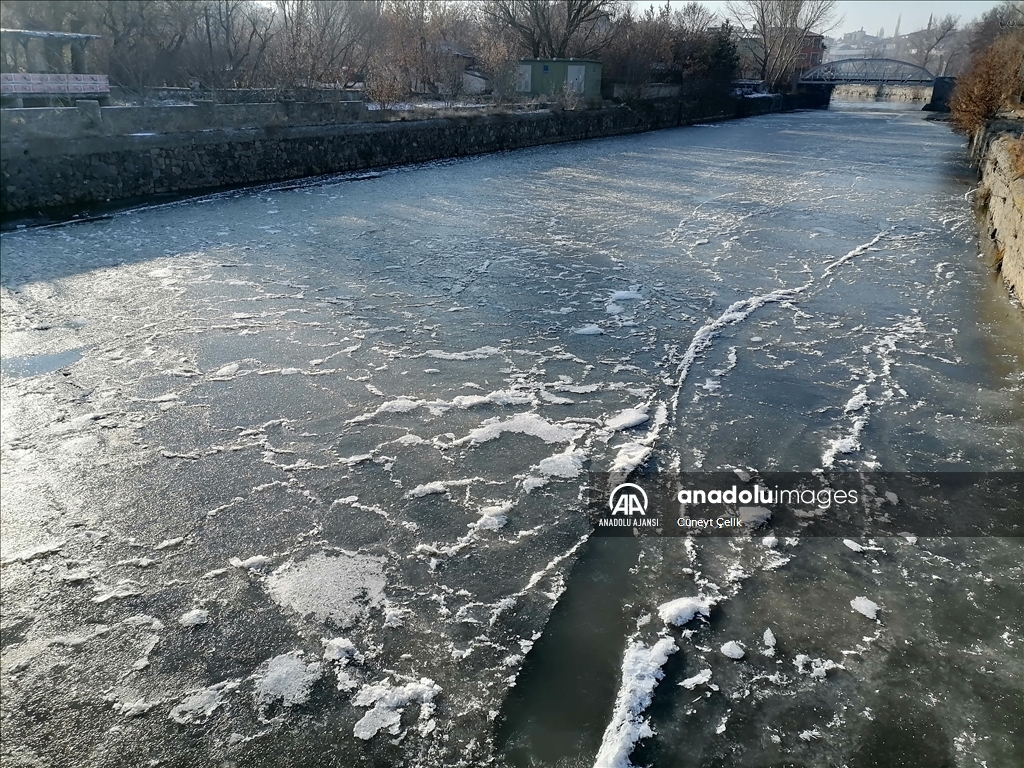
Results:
<point x="868" y="71"/>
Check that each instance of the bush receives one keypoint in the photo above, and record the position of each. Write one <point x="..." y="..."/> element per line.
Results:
<point x="994" y="81"/>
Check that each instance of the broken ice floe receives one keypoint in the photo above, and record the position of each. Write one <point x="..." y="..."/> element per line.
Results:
<point x="426" y="490"/>
<point x="124" y="588"/>
<point x="733" y="650"/>
<point x="847" y="444"/>
<point x="194" y="618"/>
<point x="769" y="643"/>
<point x="388" y="702"/>
<point x="339" y="651"/>
<point x="565" y="465"/>
<point x="26" y="555"/>
<point x="818" y="667"/>
<point x="865" y="607"/>
<point x="251" y="563"/>
<point x="627" y="419"/>
<point x="850" y="544"/>
<point x="702" y="677"/>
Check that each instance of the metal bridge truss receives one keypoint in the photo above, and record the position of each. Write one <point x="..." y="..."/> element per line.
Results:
<point x="869" y="71"/>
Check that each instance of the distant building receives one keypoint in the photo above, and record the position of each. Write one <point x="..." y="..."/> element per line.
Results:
<point x="552" y="77"/>
<point x="812" y="53"/>
<point x="750" y="51"/>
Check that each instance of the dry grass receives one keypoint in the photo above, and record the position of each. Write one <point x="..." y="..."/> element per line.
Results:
<point x="994" y="82"/>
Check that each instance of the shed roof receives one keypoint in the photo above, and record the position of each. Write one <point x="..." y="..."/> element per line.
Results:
<point x="48" y="35"/>
<point x="575" y="61"/>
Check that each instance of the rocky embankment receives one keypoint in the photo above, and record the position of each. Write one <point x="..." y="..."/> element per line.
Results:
<point x="998" y="150"/>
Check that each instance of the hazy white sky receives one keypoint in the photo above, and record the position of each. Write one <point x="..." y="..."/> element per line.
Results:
<point x="874" y="14"/>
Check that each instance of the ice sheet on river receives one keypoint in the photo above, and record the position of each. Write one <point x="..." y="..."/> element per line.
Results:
<point x="336" y="462"/>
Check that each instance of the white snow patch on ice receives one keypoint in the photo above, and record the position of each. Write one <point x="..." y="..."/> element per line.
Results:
<point x="338" y="588"/>
<point x="629" y="457"/>
<point x="627" y="419"/>
<point x="523" y="423"/>
<point x="200" y="705"/>
<point x="567" y="465"/>
<point x="480" y="353"/>
<point x="426" y="490"/>
<point x="858" y="401"/>
<point x="286" y="678"/>
<point x="388" y="703"/>
<point x="492" y="518"/>
<point x="684" y="609"/>
<point x="847" y="444"/>
<point x="625" y="296"/>
<point x="398" y="405"/>
<point x="818" y="667"/>
<point x="501" y="397"/>
<point x="588" y="330"/>
<point x="641" y="673"/>
<point x="251" y="563"/>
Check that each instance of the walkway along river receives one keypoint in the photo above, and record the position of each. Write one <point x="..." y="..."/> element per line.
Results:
<point x="292" y="476"/>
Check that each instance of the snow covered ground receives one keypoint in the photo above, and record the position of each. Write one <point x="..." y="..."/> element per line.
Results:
<point x="293" y="473"/>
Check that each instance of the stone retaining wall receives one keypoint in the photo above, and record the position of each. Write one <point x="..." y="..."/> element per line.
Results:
<point x="1000" y="198"/>
<point x="89" y="119"/>
<point x="50" y="173"/>
<point x="887" y="92"/>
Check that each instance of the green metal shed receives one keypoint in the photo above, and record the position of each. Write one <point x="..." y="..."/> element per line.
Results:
<point x="551" y="77"/>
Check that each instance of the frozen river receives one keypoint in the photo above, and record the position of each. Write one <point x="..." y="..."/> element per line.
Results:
<point x="293" y="476"/>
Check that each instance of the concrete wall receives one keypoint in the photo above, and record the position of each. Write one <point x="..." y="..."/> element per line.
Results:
<point x="42" y="172"/>
<point x="231" y="95"/>
<point x="1000" y="198"/>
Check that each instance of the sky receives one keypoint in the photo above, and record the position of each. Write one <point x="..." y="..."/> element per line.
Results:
<point x="874" y="14"/>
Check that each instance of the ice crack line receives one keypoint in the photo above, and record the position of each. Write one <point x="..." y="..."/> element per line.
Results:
<point x="740" y="310"/>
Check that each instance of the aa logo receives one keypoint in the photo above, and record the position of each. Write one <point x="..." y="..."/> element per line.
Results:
<point x="628" y="499"/>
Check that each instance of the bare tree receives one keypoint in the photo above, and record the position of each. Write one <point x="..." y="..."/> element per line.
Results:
<point x="1005" y="18"/>
<point x="777" y="31"/>
<point x="233" y="37"/>
<point x="497" y="51"/>
<point x="641" y="50"/>
<point x="322" y="41"/>
<point x="557" y="28"/>
<point x="931" y="38"/>
<point x="144" y="39"/>
<point x="694" y="19"/>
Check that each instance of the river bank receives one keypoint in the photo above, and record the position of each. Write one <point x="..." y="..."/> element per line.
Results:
<point x="998" y="151"/>
<point x="62" y="174"/>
